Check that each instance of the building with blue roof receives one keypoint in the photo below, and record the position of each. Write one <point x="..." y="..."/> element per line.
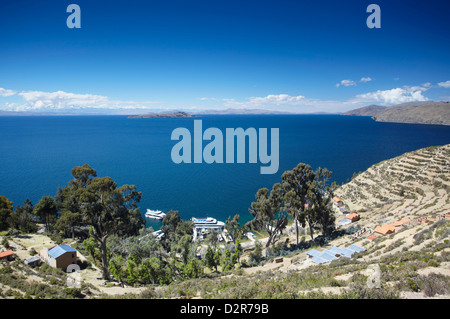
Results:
<point x="312" y="253"/>
<point x="356" y="248"/>
<point x="60" y="256"/>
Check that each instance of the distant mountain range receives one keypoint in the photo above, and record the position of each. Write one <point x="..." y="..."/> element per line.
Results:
<point x="239" y="112"/>
<point x="21" y="113"/>
<point x="429" y="112"/>
<point x="160" y="115"/>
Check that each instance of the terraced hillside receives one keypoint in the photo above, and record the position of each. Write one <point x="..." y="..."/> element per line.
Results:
<point x="412" y="185"/>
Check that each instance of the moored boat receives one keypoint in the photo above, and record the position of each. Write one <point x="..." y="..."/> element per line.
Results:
<point x="156" y="214"/>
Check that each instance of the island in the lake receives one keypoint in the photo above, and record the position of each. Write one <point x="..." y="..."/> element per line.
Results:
<point x="160" y="115"/>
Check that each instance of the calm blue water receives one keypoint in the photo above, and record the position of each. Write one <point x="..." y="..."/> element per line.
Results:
<point x="38" y="153"/>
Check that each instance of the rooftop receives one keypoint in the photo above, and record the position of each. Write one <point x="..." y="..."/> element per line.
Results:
<point x="6" y="253"/>
<point x="59" y="250"/>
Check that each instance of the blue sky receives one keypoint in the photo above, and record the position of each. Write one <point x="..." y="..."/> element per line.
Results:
<point x="297" y="56"/>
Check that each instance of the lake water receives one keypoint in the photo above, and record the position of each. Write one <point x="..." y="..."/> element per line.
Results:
<point x="38" y="153"/>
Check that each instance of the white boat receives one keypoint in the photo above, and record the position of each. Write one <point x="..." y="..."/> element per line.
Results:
<point x="156" y="214"/>
<point x="207" y="223"/>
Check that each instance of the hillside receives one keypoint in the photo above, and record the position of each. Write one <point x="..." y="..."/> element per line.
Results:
<point x="369" y="110"/>
<point x="417" y="182"/>
<point x="429" y="112"/>
<point x="413" y="261"/>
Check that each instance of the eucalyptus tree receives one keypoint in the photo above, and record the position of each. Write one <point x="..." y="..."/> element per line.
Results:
<point x="110" y="210"/>
<point x="319" y="214"/>
<point x="269" y="213"/>
<point x="233" y="228"/>
<point x="68" y="199"/>
<point x="46" y="209"/>
<point x="296" y="184"/>
<point x="6" y="210"/>
<point x="22" y="218"/>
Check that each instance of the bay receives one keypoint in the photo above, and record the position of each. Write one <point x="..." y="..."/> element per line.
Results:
<point x="37" y="154"/>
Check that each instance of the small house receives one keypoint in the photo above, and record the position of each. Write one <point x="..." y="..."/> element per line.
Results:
<point x="385" y="229"/>
<point x="60" y="256"/>
<point x="33" y="261"/>
<point x="353" y="217"/>
<point x="7" y="255"/>
<point x="402" y="222"/>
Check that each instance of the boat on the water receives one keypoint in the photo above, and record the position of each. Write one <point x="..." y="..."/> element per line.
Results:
<point x="208" y="222"/>
<point x="156" y="214"/>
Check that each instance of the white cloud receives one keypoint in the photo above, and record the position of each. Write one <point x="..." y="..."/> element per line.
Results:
<point x="366" y="79"/>
<point x="346" y="83"/>
<point x="445" y="84"/>
<point x="289" y="103"/>
<point x="394" y="96"/>
<point x="269" y="100"/>
<point x="37" y="100"/>
<point x="207" y="99"/>
<point x="60" y="100"/>
<point x="6" y="92"/>
<point x="277" y="99"/>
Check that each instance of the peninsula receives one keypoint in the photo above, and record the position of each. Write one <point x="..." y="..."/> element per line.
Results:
<point x="429" y="112"/>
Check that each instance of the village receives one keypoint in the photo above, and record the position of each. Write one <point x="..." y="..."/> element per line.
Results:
<point x="33" y="250"/>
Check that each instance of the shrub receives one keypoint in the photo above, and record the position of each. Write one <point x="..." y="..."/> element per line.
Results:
<point x="435" y="284"/>
<point x="5" y="243"/>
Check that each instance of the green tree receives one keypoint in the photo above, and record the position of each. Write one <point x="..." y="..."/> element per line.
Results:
<point x="117" y="267"/>
<point x="268" y="212"/>
<point x="233" y="228"/>
<point x="217" y="256"/>
<point x="82" y="176"/>
<point x="99" y="205"/>
<point x="256" y="255"/>
<point x="6" y="210"/>
<point x="149" y="270"/>
<point x="209" y="258"/>
<point x="319" y="214"/>
<point x="91" y="247"/>
<point x="22" y="218"/>
<point x="237" y="253"/>
<point x="68" y="199"/>
<point x="177" y="233"/>
<point x="104" y="209"/>
<point x="193" y="269"/>
<point x="296" y="185"/>
<point x="68" y="221"/>
<point x="185" y="248"/>
<point x="132" y="272"/>
<point x="46" y="209"/>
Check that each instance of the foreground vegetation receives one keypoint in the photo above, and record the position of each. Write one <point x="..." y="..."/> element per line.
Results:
<point x="103" y="222"/>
